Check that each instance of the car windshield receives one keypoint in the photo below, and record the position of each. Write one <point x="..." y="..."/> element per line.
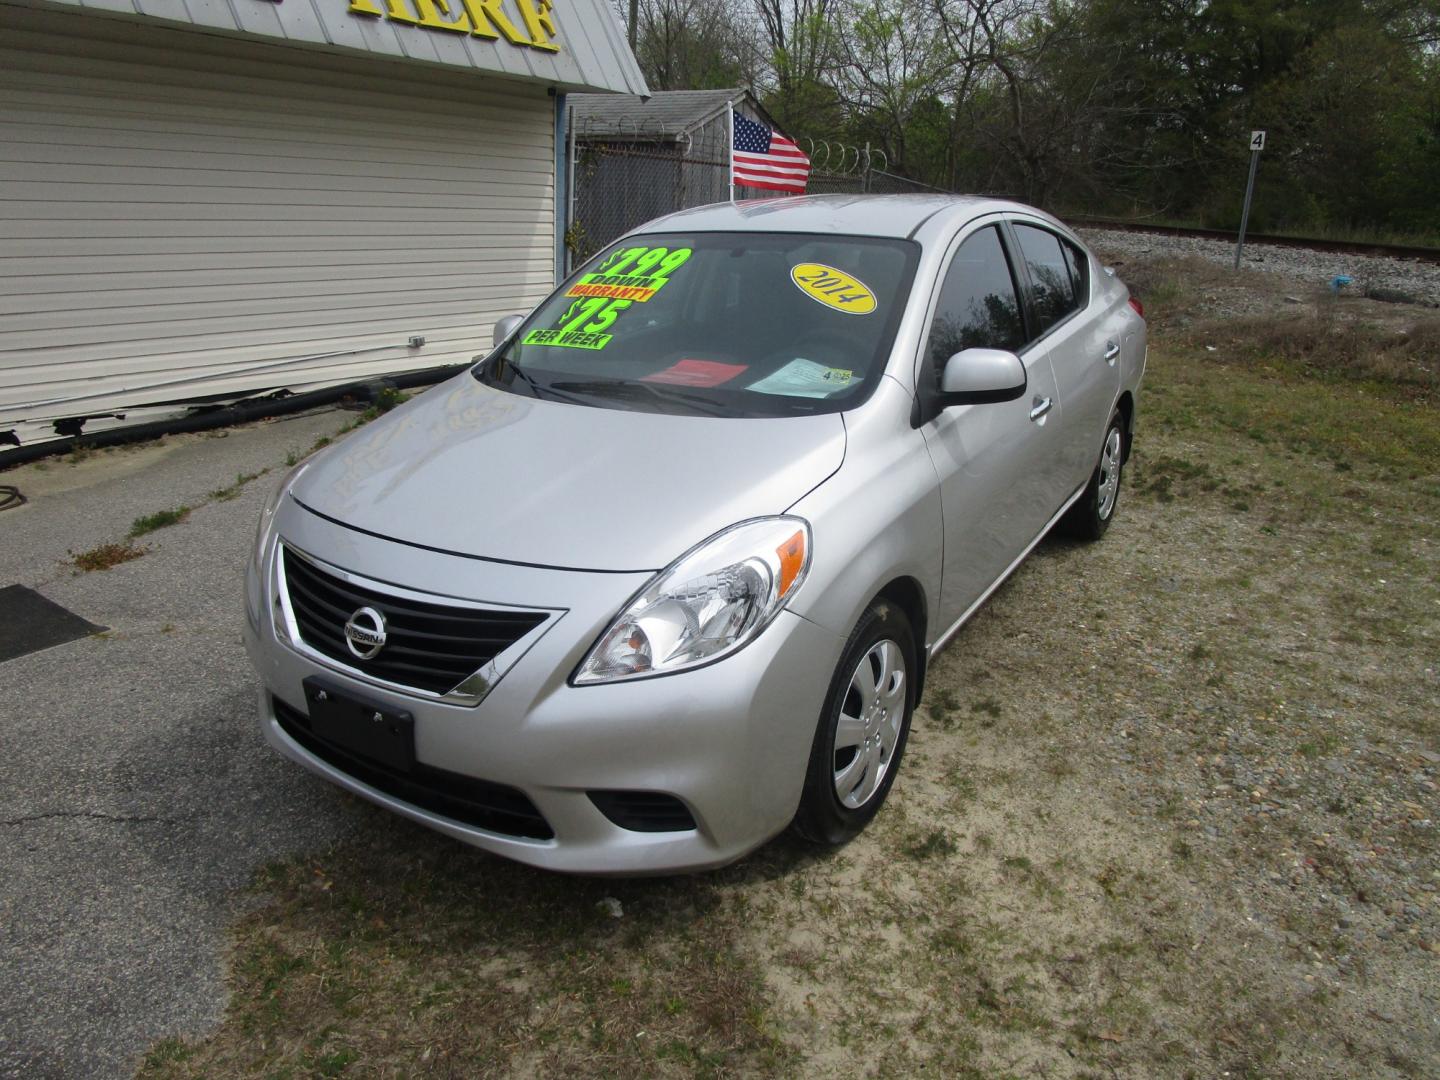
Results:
<point x="722" y="324"/>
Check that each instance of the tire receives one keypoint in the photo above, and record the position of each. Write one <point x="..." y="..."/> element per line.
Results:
<point x="1095" y="509"/>
<point x="845" y="786"/>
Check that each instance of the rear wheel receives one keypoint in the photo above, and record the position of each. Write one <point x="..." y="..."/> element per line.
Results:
<point x="1091" y="515"/>
<point x="861" y="735"/>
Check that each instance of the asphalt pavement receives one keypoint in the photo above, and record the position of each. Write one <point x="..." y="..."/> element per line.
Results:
<point x="137" y="798"/>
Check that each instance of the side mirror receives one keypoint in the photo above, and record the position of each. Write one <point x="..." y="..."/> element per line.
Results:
<point x="505" y="327"/>
<point x="981" y="376"/>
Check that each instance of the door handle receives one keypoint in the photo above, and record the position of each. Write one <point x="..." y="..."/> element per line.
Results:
<point x="1039" y="407"/>
<point x="1112" y="352"/>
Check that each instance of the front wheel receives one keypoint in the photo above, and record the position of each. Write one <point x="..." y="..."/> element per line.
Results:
<point x="861" y="735"/>
<point x="1091" y="515"/>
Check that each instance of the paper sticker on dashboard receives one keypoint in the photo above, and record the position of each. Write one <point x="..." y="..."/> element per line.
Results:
<point x="696" y="373"/>
<point x="805" y="378"/>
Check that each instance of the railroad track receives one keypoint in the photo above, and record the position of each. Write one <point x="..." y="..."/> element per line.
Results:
<point x="1344" y="247"/>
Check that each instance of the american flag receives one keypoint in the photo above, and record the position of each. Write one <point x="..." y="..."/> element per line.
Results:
<point x="762" y="158"/>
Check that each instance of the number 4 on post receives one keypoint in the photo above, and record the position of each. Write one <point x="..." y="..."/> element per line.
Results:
<point x="1257" y="143"/>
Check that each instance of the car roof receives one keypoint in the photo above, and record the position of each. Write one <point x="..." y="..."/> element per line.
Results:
<point x="854" y="215"/>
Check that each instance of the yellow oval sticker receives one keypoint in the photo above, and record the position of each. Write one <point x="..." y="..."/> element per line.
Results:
<point x="833" y="288"/>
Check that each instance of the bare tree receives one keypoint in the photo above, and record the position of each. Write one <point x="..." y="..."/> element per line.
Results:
<point x="890" y="63"/>
<point x="693" y="44"/>
<point x="802" y="44"/>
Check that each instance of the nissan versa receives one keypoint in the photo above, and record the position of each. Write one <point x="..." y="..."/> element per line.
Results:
<point x="660" y="576"/>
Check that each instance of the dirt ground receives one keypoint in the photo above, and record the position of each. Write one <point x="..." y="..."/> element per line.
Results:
<point x="1169" y="808"/>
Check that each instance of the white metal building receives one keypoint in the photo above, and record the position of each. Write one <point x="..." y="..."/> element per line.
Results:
<point x="209" y="199"/>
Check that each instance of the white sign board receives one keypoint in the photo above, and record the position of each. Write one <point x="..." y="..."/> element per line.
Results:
<point x="1257" y="140"/>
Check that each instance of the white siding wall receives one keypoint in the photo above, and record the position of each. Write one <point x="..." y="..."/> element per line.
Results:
<point x="184" y="215"/>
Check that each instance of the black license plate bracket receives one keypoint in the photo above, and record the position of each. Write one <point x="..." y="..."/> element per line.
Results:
<point x="367" y="729"/>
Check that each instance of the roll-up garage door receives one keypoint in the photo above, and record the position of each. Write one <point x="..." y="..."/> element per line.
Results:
<point x="186" y="216"/>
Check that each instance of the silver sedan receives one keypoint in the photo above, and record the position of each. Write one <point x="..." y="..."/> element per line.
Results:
<point x="662" y="574"/>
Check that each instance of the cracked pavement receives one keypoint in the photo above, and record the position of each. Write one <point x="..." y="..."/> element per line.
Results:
<point x="137" y="799"/>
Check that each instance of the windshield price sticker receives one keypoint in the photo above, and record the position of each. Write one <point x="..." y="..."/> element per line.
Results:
<point x="630" y="276"/>
<point x="636" y="273"/>
<point x="621" y="288"/>
<point x="567" y="339"/>
<point x="833" y="288"/>
<point x="582" y="326"/>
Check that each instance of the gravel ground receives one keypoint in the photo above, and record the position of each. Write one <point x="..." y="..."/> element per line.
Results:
<point x="1308" y="270"/>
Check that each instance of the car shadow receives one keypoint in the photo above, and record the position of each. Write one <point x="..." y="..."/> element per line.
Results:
<point x="396" y="865"/>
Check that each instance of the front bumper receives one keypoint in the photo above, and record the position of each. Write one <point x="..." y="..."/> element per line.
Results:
<point x="731" y="741"/>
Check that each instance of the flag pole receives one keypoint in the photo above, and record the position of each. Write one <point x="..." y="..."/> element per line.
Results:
<point x="730" y="139"/>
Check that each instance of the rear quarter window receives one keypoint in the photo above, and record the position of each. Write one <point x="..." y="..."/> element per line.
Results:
<point x="1079" y="270"/>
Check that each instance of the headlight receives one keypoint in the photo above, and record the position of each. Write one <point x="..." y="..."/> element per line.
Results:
<point x="267" y="514"/>
<point x="712" y="601"/>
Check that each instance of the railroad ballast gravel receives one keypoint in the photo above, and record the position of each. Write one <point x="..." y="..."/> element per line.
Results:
<point x="1379" y="276"/>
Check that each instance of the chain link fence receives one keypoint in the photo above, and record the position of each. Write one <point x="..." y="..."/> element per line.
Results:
<point x="616" y="186"/>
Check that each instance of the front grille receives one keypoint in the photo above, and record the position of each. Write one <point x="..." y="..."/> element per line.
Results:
<point x="429" y="646"/>
<point x="644" y="811"/>
<point x="494" y="807"/>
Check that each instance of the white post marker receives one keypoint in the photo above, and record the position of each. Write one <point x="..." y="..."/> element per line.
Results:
<point x="1257" y="143"/>
<point x="730" y="140"/>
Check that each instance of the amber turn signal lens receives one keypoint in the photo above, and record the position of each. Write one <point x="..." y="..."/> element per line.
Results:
<point x="792" y="561"/>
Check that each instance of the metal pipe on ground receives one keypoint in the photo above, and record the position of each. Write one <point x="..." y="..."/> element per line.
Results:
<point x="241" y="412"/>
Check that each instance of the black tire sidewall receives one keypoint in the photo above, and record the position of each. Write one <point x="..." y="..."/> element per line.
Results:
<point x="822" y="817"/>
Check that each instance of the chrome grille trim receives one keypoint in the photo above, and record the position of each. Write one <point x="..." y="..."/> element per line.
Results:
<point x="470" y="691"/>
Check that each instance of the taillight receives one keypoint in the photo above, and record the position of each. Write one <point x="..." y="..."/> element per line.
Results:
<point x="1139" y="307"/>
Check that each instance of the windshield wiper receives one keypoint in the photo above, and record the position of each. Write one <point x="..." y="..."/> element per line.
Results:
<point x="668" y="394"/>
<point x="537" y="389"/>
<point x="506" y="363"/>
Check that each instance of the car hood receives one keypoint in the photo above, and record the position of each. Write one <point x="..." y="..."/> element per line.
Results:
<point x="469" y="469"/>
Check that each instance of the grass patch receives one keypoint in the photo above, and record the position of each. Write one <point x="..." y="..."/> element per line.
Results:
<point x="1168" y="477"/>
<point x="165" y="1055"/>
<point x="388" y="398"/>
<point x="408" y="955"/>
<point x="225" y="494"/>
<point x="105" y="556"/>
<point x="987" y="707"/>
<point x="943" y="702"/>
<point x="930" y="844"/>
<point x="1328" y="347"/>
<point x="1359" y="423"/>
<point x="161" y="519"/>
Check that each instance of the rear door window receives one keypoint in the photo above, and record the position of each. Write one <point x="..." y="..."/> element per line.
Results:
<point x="978" y="306"/>
<point x="1056" y="291"/>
